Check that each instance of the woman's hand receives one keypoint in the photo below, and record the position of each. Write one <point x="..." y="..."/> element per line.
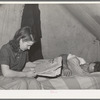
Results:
<point x="30" y="73"/>
<point x="30" y="64"/>
<point x="66" y="72"/>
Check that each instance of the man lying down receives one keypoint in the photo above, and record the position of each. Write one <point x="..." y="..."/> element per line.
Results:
<point x="69" y="65"/>
<point x="77" y="65"/>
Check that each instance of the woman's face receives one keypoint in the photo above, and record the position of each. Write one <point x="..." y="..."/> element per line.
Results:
<point x="25" y="45"/>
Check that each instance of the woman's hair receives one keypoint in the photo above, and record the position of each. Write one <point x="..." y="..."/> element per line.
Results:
<point x="25" y="34"/>
<point x="97" y="66"/>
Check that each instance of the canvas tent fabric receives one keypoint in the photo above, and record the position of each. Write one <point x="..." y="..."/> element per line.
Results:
<point x="85" y="18"/>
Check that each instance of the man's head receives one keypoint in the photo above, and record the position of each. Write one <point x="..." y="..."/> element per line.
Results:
<point x="24" y="38"/>
<point x="91" y="67"/>
<point x="97" y="67"/>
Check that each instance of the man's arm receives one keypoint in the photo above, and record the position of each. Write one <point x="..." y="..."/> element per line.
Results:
<point x="64" y="61"/>
<point x="65" y="69"/>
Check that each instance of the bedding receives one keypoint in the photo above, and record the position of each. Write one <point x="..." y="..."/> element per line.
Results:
<point x="79" y="79"/>
<point x="46" y="67"/>
<point x="73" y="82"/>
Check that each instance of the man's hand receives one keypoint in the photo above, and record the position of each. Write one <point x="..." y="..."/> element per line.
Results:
<point x="66" y="72"/>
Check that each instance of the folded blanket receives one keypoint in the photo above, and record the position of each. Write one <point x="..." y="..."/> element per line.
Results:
<point x="47" y="67"/>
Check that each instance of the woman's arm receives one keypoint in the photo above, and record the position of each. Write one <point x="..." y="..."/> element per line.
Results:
<point x="29" y="66"/>
<point x="11" y="73"/>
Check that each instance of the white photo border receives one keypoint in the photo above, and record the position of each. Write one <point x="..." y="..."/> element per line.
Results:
<point x="49" y="94"/>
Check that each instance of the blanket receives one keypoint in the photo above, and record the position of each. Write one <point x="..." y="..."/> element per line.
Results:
<point x="79" y="79"/>
<point x="73" y="82"/>
<point x="46" y="67"/>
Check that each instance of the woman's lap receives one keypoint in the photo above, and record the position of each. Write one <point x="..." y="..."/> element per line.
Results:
<point x="19" y="83"/>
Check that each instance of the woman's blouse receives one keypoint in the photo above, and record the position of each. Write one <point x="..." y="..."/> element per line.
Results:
<point x="16" y="61"/>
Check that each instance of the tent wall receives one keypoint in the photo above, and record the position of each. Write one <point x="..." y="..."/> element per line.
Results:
<point x="85" y="18"/>
<point x="10" y="21"/>
<point x="63" y="33"/>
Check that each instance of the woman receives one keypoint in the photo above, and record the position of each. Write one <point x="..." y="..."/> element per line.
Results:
<point x="14" y="58"/>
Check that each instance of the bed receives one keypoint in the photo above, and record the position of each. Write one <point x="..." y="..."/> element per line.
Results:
<point x="78" y="80"/>
<point x="72" y="82"/>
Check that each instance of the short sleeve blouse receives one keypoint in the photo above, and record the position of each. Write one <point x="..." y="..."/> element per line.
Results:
<point x="16" y="61"/>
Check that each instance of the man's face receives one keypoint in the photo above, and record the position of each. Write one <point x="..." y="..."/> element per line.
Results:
<point x="88" y="67"/>
<point x="25" y="45"/>
<point x="91" y="67"/>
